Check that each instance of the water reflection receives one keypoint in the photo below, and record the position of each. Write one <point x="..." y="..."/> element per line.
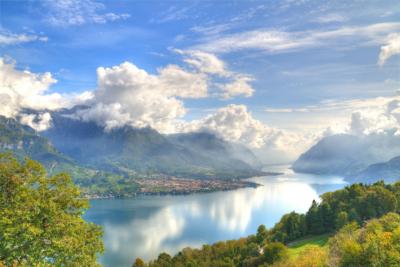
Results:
<point x="145" y="226"/>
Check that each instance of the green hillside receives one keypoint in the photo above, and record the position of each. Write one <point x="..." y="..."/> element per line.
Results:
<point x="355" y="226"/>
<point x="23" y="142"/>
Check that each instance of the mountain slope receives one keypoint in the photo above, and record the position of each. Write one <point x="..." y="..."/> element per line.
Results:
<point x="332" y="155"/>
<point x="388" y="171"/>
<point x="24" y="141"/>
<point x="131" y="151"/>
<point x="347" y="154"/>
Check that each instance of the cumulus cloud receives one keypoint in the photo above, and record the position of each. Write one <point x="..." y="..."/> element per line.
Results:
<point x="377" y="119"/>
<point x="391" y="48"/>
<point x="39" y="122"/>
<point x="236" y="124"/>
<point x="26" y="90"/>
<point x="77" y="12"/>
<point x="234" y="84"/>
<point x="9" y="38"/>
<point x="239" y="86"/>
<point x="204" y="62"/>
<point x="129" y="95"/>
<point x="125" y="94"/>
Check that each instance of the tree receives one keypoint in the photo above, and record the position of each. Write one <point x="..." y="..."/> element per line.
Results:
<point x="290" y="227"/>
<point x="262" y="234"/>
<point x="274" y="252"/>
<point x="376" y="244"/>
<point x="138" y="263"/>
<point x="341" y="220"/>
<point x="314" y="219"/>
<point x="40" y="218"/>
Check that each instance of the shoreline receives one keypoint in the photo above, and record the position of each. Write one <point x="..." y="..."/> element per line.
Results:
<point x="176" y="187"/>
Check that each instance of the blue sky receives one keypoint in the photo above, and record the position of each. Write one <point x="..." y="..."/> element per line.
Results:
<point x="298" y="55"/>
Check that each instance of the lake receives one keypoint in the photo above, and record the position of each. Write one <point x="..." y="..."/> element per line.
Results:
<point x="147" y="225"/>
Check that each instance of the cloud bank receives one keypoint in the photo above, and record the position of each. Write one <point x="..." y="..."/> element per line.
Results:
<point x="127" y="94"/>
<point x="21" y="90"/>
<point x="236" y="124"/>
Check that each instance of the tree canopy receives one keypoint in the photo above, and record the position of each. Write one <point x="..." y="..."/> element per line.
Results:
<point x="41" y="220"/>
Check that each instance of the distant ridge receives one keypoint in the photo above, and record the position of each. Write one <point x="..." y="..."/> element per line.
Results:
<point x="357" y="158"/>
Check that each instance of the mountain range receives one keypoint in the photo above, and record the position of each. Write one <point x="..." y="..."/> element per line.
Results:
<point x="129" y="150"/>
<point x="365" y="158"/>
<point x="100" y="159"/>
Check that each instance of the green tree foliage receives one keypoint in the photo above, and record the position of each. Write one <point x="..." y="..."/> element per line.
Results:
<point x="375" y="244"/>
<point x="290" y="227"/>
<point x="341" y="219"/>
<point x="357" y="203"/>
<point x="314" y="219"/>
<point x="274" y="252"/>
<point x="40" y="218"/>
<point x="262" y="234"/>
<point x="241" y="252"/>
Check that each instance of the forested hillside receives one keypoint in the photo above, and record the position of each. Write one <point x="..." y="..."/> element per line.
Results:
<point x="351" y="213"/>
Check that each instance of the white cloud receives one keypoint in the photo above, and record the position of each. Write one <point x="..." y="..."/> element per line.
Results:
<point x="234" y="84"/>
<point x="127" y="94"/>
<point x="8" y="38"/>
<point x="78" y="12"/>
<point x="391" y="48"/>
<point x="204" y="62"/>
<point x="39" y="122"/>
<point x="236" y="124"/>
<point x="275" y="41"/>
<point x="376" y="119"/>
<point x="26" y="90"/>
<point x="239" y="86"/>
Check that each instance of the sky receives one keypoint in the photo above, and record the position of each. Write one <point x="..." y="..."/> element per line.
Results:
<point x="274" y="75"/>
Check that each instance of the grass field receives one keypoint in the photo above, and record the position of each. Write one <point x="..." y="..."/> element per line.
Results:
<point x="296" y="247"/>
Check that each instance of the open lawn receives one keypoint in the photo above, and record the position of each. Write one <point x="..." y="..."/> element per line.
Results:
<point x="296" y="247"/>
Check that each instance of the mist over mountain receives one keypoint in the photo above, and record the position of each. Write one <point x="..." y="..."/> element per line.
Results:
<point x="129" y="150"/>
<point x="350" y="155"/>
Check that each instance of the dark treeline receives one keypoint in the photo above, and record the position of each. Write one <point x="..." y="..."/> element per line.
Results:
<point x="354" y="204"/>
